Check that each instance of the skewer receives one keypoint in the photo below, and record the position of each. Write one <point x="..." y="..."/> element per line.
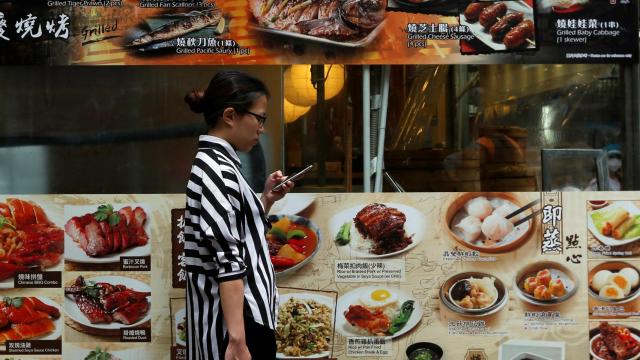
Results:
<point x="531" y="42"/>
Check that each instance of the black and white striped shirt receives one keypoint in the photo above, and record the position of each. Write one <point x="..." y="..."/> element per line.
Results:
<point x="225" y="228"/>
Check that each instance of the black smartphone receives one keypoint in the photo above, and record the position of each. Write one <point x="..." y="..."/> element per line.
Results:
<point x="293" y="177"/>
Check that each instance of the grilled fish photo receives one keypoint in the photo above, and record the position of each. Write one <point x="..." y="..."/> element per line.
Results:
<point x="180" y="27"/>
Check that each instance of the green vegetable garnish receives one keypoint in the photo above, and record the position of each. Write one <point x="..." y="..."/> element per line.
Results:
<point x="344" y="234"/>
<point x="277" y="232"/>
<point x="295" y="234"/>
<point x="98" y="354"/>
<point x="15" y="302"/>
<point x="6" y="222"/>
<point x="106" y="213"/>
<point x="92" y="290"/>
<point x="403" y="317"/>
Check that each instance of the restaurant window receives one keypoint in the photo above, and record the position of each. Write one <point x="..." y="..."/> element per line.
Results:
<point x="484" y="127"/>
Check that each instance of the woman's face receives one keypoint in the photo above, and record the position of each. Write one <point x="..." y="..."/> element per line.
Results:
<point x="250" y="126"/>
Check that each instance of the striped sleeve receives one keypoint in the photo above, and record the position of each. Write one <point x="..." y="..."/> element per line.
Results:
<point x="220" y="221"/>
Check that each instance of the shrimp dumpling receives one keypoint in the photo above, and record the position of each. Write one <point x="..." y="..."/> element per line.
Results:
<point x="470" y="228"/>
<point x="479" y="207"/>
<point x="504" y="209"/>
<point x="496" y="227"/>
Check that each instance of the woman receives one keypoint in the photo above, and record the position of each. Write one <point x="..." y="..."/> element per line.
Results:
<point x="231" y="291"/>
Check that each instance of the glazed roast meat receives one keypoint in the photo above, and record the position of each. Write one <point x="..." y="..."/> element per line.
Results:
<point x="104" y="303"/>
<point x="619" y="341"/>
<point x="340" y="20"/>
<point x="98" y="238"/>
<point x="383" y="225"/>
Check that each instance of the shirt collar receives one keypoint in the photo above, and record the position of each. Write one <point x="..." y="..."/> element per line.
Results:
<point x="210" y="141"/>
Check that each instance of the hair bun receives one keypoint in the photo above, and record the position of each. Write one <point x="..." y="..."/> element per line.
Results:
<point x="195" y="101"/>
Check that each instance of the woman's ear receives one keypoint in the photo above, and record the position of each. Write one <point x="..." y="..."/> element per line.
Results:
<point x="227" y="116"/>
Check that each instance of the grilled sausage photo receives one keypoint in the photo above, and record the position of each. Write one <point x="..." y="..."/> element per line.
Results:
<point x="517" y="36"/>
<point x="490" y="14"/>
<point x="473" y="10"/>
<point x="502" y="27"/>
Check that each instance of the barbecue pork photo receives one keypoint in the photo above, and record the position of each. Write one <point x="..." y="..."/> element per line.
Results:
<point x="107" y="231"/>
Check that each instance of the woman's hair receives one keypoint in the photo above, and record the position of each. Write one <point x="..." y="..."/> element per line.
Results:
<point x="233" y="89"/>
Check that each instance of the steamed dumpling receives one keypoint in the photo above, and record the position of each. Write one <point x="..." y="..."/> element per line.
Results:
<point x="504" y="210"/>
<point x="470" y="228"/>
<point x="479" y="207"/>
<point x="496" y="227"/>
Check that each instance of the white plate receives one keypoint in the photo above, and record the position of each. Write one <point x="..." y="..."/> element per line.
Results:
<point x="415" y="226"/>
<point x="72" y="310"/>
<point x="350" y="44"/>
<point x="57" y="323"/>
<point x="82" y="353"/>
<point x="292" y="203"/>
<point x="627" y="205"/>
<point x="73" y="252"/>
<point x="352" y="298"/>
<point x="483" y="34"/>
<point x="514" y="349"/>
<point x="322" y="299"/>
<point x="180" y="315"/>
<point x="59" y="222"/>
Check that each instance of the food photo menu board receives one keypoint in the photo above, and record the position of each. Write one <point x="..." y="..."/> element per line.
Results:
<point x="284" y="32"/>
<point x="372" y="276"/>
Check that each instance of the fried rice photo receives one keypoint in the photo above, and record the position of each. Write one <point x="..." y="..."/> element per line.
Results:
<point x="304" y="328"/>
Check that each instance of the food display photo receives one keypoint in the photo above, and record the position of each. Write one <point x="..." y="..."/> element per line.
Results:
<point x="614" y="227"/>
<point x="546" y="283"/>
<point x="29" y="318"/>
<point x="377" y="311"/>
<point x="490" y="222"/>
<point x="293" y="242"/>
<point x="341" y="23"/>
<point x="31" y="239"/>
<point x="305" y="324"/>
<point x="99" y="306"/>
<point x="500" y="26"/>
<point x="614" y="341"/>
<point x="160" y="33"/>
<point x="614" y="287"/>
<point x="102" y="234"/>
<point x="377" y="230"/>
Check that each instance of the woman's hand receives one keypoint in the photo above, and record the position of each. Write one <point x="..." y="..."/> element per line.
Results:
<point x="269" y="197"/>
<point x="237" y="350"/>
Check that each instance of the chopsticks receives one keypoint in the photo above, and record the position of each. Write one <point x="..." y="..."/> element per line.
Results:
<point x="523" y="209"/>
<point x="528" y="217"/>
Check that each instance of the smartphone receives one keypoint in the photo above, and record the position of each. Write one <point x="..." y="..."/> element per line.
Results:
<point x="293" y="177"/>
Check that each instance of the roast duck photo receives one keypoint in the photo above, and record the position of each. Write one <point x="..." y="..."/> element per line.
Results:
<point x="102" y="302"/>
<point x="28" y="239"/>
<point x="107" y="231"/>
<point x="339" y="20"/>
<point x="23" y="318"/>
